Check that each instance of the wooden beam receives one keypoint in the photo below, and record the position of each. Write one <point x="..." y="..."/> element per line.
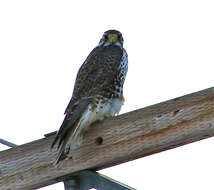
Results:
<point x="123" y="138"/>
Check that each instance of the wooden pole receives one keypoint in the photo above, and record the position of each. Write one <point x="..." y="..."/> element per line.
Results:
<point x="116" y="140"/>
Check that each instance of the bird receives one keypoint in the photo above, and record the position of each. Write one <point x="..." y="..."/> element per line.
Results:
<point x="97" y="93"/>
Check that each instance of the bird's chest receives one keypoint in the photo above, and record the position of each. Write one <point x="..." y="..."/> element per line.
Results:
<point x="102" y="108"/>
<point x="120" y="78"/>
<point x="123" y="67"/>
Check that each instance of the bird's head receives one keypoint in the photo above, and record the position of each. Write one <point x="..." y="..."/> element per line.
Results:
<point x="111" y="37"/>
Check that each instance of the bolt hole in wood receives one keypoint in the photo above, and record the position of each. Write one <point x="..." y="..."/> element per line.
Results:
<point x="99" y="141"/>
<point x="175" y="112"/>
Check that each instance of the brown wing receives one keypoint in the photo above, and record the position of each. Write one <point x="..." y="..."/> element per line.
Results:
<point x="98" y="74"/>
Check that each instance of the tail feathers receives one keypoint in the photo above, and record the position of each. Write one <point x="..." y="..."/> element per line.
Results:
<point x="61" y="155"/>
<point x="69" y="129"/>
<point x="70" y="144"/>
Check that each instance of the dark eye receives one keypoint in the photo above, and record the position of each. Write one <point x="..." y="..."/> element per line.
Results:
<point x="119" y="36"/>
<point x="105" y="37"/>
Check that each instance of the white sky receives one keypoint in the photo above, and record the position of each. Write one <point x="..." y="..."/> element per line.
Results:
<point x="170" y="46"/>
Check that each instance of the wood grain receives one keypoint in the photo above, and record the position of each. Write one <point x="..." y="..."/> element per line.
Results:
<point x="126" y="137"/>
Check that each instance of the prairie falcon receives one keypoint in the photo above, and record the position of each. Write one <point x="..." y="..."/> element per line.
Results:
<point x="98" y="91"/>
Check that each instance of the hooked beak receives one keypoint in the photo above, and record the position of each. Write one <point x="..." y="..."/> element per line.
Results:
<point x="112" y="39"/>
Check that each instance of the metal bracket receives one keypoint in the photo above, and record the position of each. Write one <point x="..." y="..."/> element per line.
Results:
<point x="85" y="180"/>
<point x="50" y="134"/>
<point x="7" y="143"/>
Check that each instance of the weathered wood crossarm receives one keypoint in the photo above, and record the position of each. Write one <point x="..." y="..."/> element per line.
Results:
<point x="123" y="138"/>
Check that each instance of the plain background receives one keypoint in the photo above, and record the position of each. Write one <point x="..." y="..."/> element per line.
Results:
<point x="171" y="53"/>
